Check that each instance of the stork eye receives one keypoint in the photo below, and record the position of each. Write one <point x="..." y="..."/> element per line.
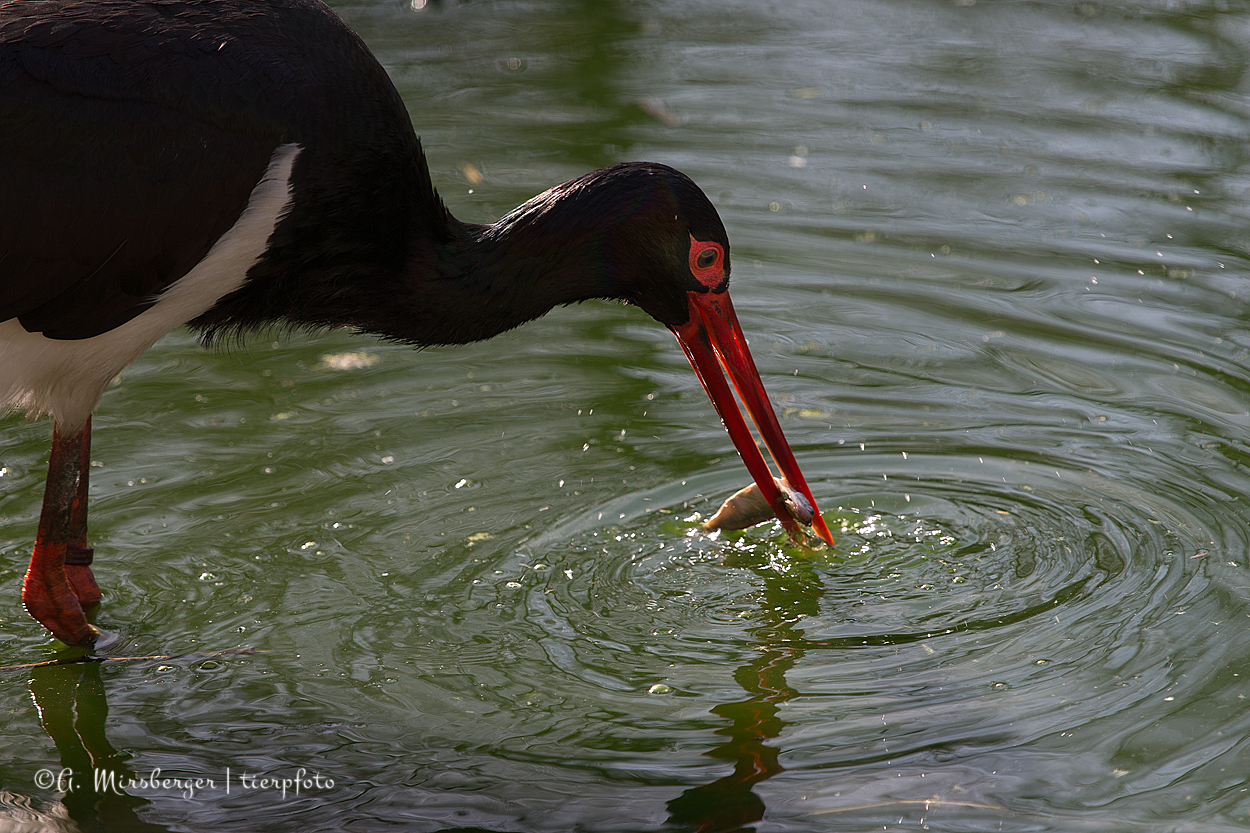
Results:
<point x="706" y="258"/>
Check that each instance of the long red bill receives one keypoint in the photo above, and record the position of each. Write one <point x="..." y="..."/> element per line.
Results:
<point x="715" y="345"/>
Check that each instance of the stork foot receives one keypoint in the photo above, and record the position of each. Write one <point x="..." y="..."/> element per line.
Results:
<point x="59" y="584"/>
<point x="54" y="603"/>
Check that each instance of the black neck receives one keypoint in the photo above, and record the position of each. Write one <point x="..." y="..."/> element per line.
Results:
<point x="396" y="263"/>
<point x="419" y="275"/>
<point x="487" y="279"/>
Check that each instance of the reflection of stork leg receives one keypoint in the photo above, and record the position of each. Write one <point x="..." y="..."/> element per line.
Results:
<point x="72" y="710"/>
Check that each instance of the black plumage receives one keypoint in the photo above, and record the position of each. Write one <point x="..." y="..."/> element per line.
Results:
<point x="237" y="164"/>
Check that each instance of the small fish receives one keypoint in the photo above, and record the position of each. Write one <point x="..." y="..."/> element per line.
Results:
<point x="748" y="507"/>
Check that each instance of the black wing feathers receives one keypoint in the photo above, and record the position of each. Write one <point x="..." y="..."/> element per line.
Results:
<point x="133" y="131"/>
<point x="113" y="188"/>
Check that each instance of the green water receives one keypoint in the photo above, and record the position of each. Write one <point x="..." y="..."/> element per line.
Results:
<point x="993" y="261"/>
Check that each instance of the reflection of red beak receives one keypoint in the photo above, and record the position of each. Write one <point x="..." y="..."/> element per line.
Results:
<point x="713" y="340"/>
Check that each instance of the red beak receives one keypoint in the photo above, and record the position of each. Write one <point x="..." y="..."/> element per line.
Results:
<point x="713" y="340"/>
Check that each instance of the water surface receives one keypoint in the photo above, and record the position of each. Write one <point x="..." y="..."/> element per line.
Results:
<point x="993" y="261"/>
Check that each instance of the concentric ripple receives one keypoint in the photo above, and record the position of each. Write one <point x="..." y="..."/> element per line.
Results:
<point x="975" y="607"/>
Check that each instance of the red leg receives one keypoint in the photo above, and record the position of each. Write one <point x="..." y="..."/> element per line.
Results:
<point x="46" y="592"/>
<point x="78" y="555"/>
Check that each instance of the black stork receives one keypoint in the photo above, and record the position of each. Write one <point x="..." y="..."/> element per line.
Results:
<point x="238" y="164"/>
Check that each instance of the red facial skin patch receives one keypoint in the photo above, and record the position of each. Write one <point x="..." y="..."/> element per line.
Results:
<point x="707" y="262"/>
